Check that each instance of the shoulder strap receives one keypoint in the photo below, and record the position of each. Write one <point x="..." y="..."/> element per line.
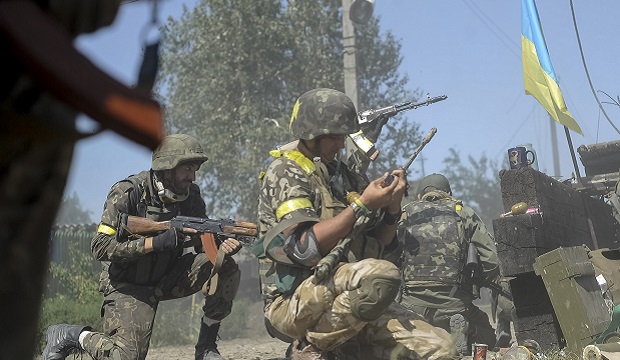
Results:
<point x="136" y="197"/>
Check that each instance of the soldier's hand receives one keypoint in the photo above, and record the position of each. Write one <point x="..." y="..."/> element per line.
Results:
<point x="230" y="246"/>
<point x="397" y="196"/>
<point x="378" y="195"/>
<point x="168" y="240"/>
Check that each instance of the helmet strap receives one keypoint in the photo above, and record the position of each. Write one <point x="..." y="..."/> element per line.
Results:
<point x="313" y="151"/>
<point x="166" y="195"/>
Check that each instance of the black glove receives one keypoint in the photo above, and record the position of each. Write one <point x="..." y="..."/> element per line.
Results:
<point x="168" y="240"/>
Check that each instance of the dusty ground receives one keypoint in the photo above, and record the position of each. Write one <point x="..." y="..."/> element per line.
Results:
<point x="236" y="349"/>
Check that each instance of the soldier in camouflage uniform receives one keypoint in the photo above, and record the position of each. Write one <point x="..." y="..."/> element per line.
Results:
<point x="436" y="231"/>
<point x="328" y="272"/>
<point x="140" y="271"/>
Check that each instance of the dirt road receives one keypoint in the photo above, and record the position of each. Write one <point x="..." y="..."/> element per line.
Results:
<point x="237" y="349"/>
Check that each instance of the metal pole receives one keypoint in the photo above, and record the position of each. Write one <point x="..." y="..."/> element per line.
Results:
<point x="554" y="148"/>
<point x="350" y="53"/>
<point x="572" y="154"/>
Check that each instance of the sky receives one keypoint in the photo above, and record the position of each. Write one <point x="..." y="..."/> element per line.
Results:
<point x="469" y="50"/>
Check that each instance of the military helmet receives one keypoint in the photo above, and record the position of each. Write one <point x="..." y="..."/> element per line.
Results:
<point x="322" y="112"/>
<point x="175" y="149"/>
<point x="434" y="181"/>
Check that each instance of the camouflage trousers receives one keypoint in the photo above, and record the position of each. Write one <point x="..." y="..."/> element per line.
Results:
<point x="128" y="310"/>
<point x="321" y="313"/>
<point x="437" y="306"/>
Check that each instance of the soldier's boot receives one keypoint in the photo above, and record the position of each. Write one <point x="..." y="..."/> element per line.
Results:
<point x="302" y="350"/>
<point x="459" y="330"/>
<point x="62" y="339"/>
<point x="206" y="348"/>
<point x="503" y="334"/>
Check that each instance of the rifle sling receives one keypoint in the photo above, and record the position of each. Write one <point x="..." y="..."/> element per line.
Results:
<point x="216" y="257"/>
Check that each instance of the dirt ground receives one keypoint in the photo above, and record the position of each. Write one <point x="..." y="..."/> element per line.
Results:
<point x="265" y="348"/>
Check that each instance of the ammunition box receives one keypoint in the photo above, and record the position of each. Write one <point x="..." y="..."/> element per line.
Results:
<point x="576" y="297"/>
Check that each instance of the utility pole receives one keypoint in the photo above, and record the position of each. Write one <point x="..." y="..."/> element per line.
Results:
<point x="350" y="53"/>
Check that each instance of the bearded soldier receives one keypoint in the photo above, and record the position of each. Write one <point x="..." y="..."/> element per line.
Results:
<point x="328" y="254"/>
<point x="141" y="271"/>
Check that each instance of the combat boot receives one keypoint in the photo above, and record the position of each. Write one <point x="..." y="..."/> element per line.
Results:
<point x="302" y="350"/>
<point x="206" y="348"/>
<point x="61" y="340"/>
<point x="459" y="330"/>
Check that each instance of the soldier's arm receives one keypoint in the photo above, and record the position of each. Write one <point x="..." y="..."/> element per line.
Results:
<point x="107" y="245"/>
<point x="485" y="243"/>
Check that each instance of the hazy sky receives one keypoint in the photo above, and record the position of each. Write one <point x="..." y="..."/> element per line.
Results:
<point x="468" y="50"/>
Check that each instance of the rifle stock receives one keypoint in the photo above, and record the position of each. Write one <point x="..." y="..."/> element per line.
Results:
<point x="144" y="226"/>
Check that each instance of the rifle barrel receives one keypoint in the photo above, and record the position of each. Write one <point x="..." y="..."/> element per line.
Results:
<point x="417" y="151"/>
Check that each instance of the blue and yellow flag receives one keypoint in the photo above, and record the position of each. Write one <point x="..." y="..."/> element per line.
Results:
<point x="538" y="75"/>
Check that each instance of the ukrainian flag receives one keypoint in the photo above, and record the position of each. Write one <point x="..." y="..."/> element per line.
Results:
<point x="538" y="75"/>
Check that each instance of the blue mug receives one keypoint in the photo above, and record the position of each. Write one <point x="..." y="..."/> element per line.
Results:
<point x="517" y="156"/>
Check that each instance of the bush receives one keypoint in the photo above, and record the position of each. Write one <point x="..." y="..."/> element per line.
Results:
<point x="62" y="309"/>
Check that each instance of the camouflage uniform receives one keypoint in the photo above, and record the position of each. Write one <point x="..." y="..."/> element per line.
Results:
<point x="133" y="282"/>
<point x="295" y="189"/>
<point x="436" y="235"/>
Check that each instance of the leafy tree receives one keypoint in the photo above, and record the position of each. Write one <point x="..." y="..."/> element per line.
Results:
<point x="231" y="70"/>
<point x="478" y="184"/>
<point x="72" y="212"/>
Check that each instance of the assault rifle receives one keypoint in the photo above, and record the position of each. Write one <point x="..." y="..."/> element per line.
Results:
<point x="244" y="232"/>
<point x="361" y="145"/>
<point x="472" y="266"/>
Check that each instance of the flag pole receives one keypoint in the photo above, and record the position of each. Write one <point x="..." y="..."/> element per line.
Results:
<point x="572" y="154"/>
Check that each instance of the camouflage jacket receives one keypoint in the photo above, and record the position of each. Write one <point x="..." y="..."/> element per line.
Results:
<point x="452" y="250"/>
<point x="295" y="188"/>
<point x="124" y="257"/>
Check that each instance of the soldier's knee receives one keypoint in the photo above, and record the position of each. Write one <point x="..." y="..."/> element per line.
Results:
<point x="230" y="282"/>
<point x="219" y="304"/>
<point x="374" y="295"/>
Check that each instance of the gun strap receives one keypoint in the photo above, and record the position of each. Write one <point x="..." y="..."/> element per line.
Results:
<point x="216" y="257"/>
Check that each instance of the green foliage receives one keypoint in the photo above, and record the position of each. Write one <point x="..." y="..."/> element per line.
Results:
<point x="77" y="277"/>
<point x="232" y="69"/>
<point x="72" y="212"/>
<point x="65" y="309"/>
<point x="476" y="183"/>
<point x="75" y="299"/>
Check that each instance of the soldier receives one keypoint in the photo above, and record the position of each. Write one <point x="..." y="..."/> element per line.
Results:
<point x="328" y="270"/>
<point x="139" y="271"/>
<point x="436" y="232"/>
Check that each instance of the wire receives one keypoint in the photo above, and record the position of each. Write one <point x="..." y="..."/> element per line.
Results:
<point x="583" y="59"/>
<point x="489" y="20"/>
